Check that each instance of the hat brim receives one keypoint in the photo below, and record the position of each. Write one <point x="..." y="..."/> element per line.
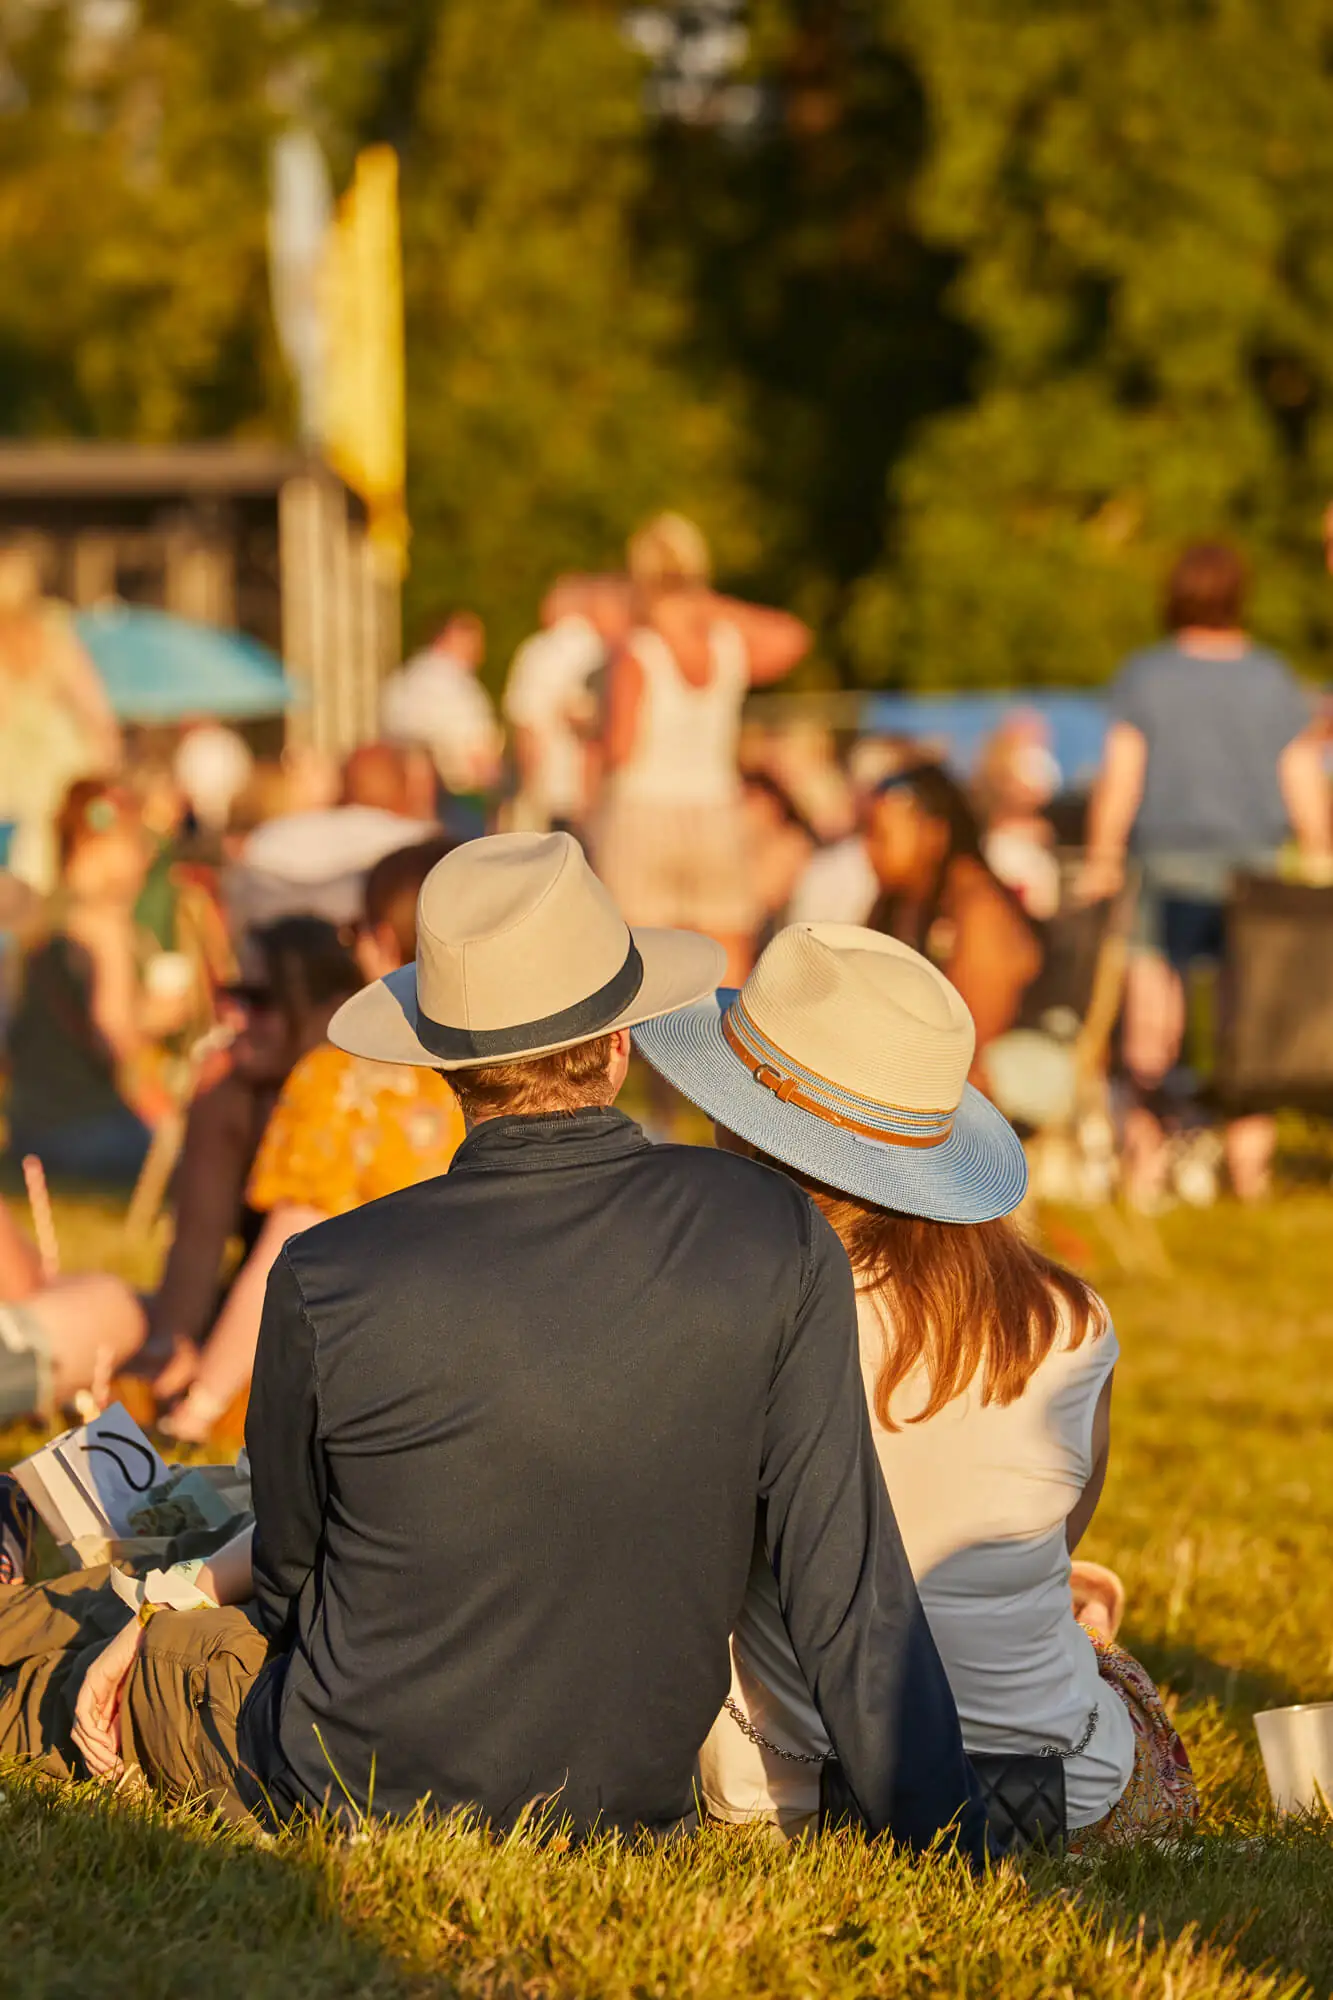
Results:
<point x="380" y="1022"/>
<point x="978" y="1173"/>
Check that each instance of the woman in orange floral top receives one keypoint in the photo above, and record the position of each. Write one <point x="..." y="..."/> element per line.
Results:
<point x="342" y="1133"/>
<point x="345" y="1132"/>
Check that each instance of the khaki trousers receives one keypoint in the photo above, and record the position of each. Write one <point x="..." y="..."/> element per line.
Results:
<point x="181" y="1703"/>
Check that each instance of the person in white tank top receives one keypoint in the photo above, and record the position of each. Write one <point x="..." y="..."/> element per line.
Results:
<point x="669" y="836"/>
<point x="987" y="1371"/>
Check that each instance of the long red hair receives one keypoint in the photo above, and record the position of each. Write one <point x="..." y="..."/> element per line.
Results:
<point x="960" y="1298"/>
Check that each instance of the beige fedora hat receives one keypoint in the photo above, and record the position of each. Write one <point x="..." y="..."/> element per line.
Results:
<point x="846" y="1055"/>
<point x="520" y="951"/>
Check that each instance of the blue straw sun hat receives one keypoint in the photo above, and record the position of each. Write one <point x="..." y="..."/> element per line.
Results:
<point x="845" y="1055"/>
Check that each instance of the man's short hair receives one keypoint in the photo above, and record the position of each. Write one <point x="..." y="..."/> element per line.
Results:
<point x="564" y="1081"/>
<point x="393" y="886"/>
<point x="1206" y="588"/>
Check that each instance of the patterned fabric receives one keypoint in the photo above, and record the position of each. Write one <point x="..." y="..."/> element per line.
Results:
<point x="1161" y="1797"/>
<point x="345" y="1132"/>
<point x="18" y="1531"/>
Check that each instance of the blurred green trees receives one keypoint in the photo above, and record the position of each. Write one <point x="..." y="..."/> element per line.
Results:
<point x="133" y="191"/>
<point x="1140" y="194"/>
<point x="988" y="306"/>
<point x="548" y="409"/>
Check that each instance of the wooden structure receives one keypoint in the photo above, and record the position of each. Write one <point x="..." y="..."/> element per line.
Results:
<point x="248" y="535"/>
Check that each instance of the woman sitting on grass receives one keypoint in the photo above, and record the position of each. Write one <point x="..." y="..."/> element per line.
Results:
<point x="98" y="1000"/>
<point x="987" y="1369"/>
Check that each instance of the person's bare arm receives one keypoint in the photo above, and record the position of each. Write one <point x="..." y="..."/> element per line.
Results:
<point x="1305" y="794"/>
<point x="775" y="641"/>
<point x="123" y="1013"/>
<point x="526" y="746"/>
<point x="228" y="1577"/>
<point x="1081" y="1513"/>
<point x="994" y="959"/>
<point x="624" y="704"/>
<point x="1113" y="808"/>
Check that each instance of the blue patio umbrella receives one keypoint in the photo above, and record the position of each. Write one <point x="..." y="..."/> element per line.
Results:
<point x="158" y="668"/>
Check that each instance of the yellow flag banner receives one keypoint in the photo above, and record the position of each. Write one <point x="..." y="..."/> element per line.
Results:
<point x="362" y="293"/>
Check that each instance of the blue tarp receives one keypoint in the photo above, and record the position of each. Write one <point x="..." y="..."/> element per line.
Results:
<point x="963" y="722"/>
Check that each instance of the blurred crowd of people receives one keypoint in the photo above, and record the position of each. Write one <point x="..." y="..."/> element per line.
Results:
<point x="183" y="916"/>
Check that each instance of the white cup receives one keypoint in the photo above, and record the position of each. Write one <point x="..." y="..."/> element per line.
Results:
<point x="169" y="975"/>
<point x="1297" y="1747"/>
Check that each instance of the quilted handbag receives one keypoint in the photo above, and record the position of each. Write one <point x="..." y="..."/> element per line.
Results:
<point x="1024" y="1798"/>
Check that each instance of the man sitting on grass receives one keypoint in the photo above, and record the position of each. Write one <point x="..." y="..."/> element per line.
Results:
<point x="513" y="1433"/>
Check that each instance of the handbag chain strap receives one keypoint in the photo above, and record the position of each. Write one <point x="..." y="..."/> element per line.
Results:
<point x="747" y="1728"/>
<point x="762" y="1742"/>
<point x="1049" y="1749"/>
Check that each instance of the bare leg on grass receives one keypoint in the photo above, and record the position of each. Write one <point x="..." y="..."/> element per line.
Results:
<point x="92" y="1324"/>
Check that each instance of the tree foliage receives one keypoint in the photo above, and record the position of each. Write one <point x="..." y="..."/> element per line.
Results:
<point x="547" y="410"/>
<point x="997" y="303"/>
<point x="132" y="221"/>
<point x="1140" y="194"/>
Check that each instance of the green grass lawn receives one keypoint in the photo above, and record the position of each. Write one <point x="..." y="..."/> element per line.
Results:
<point x="1219" y="1514"/>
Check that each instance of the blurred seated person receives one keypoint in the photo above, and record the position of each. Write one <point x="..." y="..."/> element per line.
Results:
<point x="59" y="1337"/>
<point x="297" y="972"/>
<point x="344" y="1132"/>
<point x="314" y="862"/>
<point x="779" y="843"/>
<point x="838" y="884"/>
<point x="1016" y="779"/>
<point x="939" y="895"/>
<point x="97" y="998"/>
<point x="436" y="702"/>
<point x="56" y="1336"/>
<point x="178" y="906"/>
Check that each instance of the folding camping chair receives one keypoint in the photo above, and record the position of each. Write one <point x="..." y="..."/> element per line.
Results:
<point x="1076" y="999"/>
<point x="1275" y="1041"/>
<point x="1072" y="1154"/>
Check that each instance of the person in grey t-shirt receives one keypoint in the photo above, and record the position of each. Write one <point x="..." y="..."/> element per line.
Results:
<point x="1210" y="764"/>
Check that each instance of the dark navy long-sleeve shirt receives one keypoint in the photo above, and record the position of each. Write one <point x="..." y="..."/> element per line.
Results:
<point x="510" y="1434"/>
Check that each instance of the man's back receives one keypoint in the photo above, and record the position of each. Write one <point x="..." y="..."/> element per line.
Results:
<point x="541" y="1392"/>
<point x="509" y="1434"/>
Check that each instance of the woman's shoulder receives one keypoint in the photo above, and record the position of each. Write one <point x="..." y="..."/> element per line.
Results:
<point x="314" y="1078"/>
<point x="1072" y="1370"/>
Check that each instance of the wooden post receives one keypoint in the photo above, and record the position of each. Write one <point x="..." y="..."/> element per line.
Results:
<point x="201" y="578"/>
<point x="371" y="665"/>
<point x="301" y="568"/>
<point x="94" y="568"/>
<point x="340" y="617"/>
<point x="345" y="608"/>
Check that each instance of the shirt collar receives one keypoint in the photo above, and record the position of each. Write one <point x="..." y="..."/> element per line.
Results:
<point x="588" y="1137"/>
